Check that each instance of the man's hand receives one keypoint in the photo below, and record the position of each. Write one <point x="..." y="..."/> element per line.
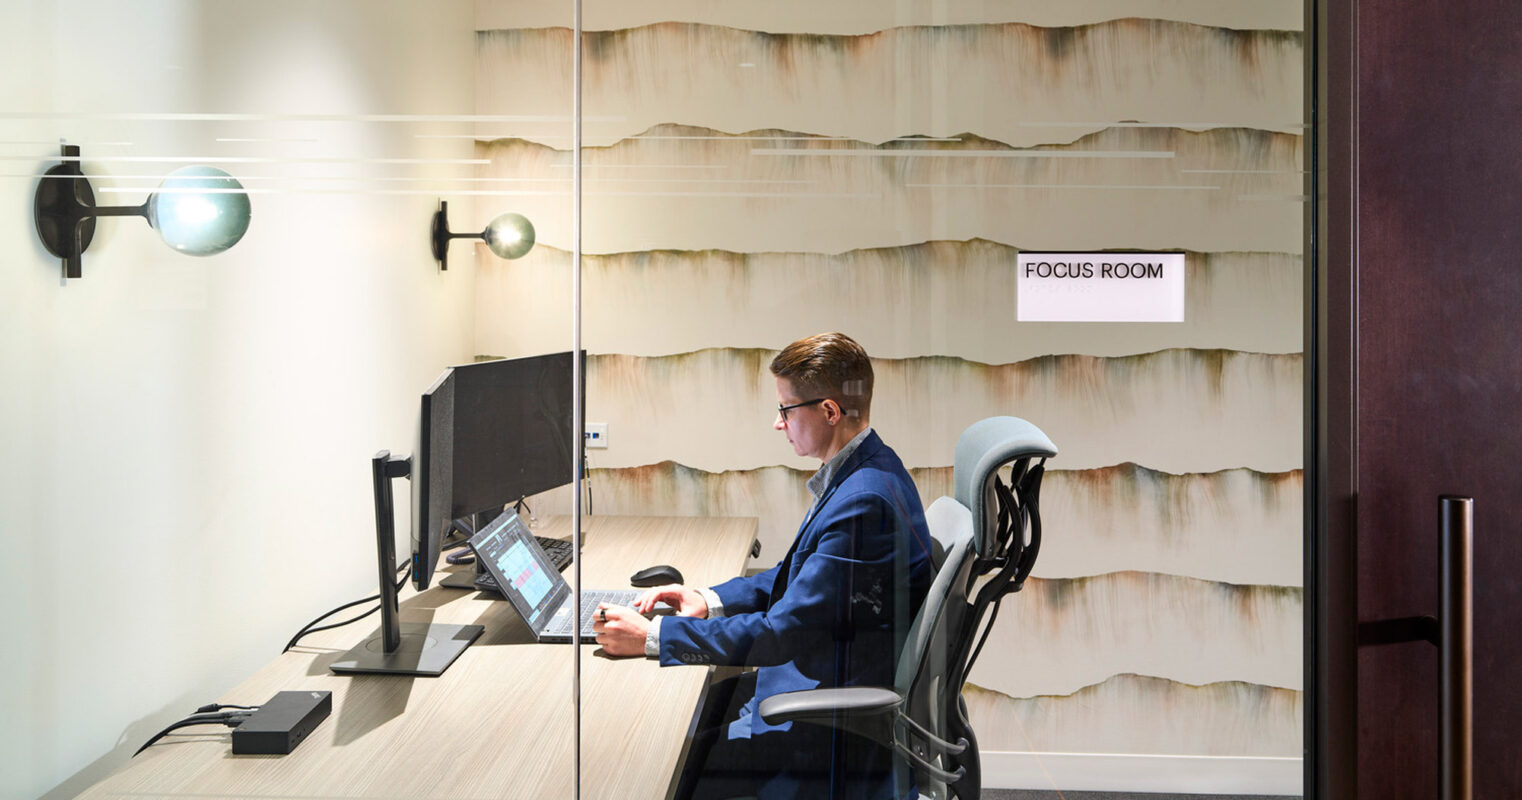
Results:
<point x="621" y="631"/>
<point x="687" y="602"/>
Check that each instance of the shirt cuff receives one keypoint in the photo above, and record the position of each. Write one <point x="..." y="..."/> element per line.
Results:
<point x="653" y="639"/>
<point x="715" y="605"/>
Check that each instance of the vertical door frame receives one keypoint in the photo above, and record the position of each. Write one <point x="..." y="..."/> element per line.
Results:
<point x="1331" y="394"/>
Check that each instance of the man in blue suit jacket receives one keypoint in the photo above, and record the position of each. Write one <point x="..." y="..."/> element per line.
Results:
<point x="834" y="612"/>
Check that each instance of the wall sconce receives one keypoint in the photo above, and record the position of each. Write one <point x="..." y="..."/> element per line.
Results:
<point x="199" y="211"/>
<point x="509" y="235"/>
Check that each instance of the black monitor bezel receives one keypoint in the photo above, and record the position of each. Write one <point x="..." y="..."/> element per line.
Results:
<point x="439" y="426"/>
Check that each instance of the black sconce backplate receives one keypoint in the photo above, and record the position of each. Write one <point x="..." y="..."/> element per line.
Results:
<point x="65" y="212"/>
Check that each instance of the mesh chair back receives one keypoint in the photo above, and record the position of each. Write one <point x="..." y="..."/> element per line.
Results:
<point x="1003" y="522"/>
<point x="986" y="539"/>
<point x="982" y="449"/>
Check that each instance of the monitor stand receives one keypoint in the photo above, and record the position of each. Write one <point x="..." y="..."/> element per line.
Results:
<point x="460" y="579"/>
<point x="421" y="649"/>
<point x="464" y="578"/>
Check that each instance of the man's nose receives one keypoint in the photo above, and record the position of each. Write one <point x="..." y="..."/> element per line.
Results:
<point x="778" y="423"/>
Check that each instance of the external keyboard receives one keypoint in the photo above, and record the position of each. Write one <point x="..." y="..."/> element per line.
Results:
<point x="559" y="551"/>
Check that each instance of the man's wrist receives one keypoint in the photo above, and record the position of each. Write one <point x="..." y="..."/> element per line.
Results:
<point x="715" y="605"/>
<point x="653" y="639"/>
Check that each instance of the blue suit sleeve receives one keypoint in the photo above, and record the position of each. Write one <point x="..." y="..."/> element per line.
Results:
<point x="751" y="593"/>
<point x="848" y="560"/>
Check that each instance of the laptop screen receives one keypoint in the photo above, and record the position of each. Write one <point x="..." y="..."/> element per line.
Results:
<point x="521" y="569"/>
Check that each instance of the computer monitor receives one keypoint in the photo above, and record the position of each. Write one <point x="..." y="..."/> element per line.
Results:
<point x="489" y="434"/>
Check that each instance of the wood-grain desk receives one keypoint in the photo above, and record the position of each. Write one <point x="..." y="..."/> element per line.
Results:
<point x="497" y="724"/>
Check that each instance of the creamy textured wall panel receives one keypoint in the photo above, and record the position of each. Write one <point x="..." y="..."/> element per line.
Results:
<point x="1138" y="714"/>
<point x="675" y="186"/>
<point x="866" y="16"/>
<point x="1175" y="410"/>
<point x="1057" y="636"/>
<point x="1002" y="81"/>
<point x="777" y="496"/>
<point x="1235" y="526"/>
<point x="948" y="297"/>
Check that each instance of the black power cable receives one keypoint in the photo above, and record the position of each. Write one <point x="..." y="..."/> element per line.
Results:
<point x="466" y="556"/>
<point x="586" y="479"/>
<point x="405" y="567"/>
<point x="210" y="707"/>
<point x="231" y="719"/>
<point x="520" y="506"/>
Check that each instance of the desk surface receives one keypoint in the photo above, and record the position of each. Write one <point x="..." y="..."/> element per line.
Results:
<point x="497" y="724"/>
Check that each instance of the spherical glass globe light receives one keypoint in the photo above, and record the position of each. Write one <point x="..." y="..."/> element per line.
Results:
<point x="510" y="236"/>
<point x="199" y="211"/>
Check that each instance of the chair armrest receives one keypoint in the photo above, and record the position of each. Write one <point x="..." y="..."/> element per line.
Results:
<point x="826" y="704"/>
<point x="867" y="711"/>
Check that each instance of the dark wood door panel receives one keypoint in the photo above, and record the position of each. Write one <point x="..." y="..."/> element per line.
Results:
<point x="1439" y="369"/>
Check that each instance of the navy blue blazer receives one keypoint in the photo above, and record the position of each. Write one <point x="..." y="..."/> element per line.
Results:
<point x="836" y="610"/>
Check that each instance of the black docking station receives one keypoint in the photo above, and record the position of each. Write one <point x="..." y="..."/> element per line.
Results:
<point x="280" y="724"/>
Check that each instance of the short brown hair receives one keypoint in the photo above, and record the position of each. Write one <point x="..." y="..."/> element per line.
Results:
<point x="829" y="365"/>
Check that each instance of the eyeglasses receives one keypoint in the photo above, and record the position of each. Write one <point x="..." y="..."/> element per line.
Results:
<point x="782" y="410"/>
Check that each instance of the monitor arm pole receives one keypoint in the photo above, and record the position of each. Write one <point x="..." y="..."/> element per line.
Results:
<point x="384" y="468"/>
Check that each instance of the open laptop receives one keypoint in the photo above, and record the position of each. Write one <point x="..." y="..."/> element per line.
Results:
<point x="528" y="579"/>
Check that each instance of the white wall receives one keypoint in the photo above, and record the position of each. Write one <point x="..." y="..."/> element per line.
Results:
<point x="185" y="442"/>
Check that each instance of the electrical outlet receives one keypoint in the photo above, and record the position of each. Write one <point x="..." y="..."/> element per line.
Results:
<point x="596" y="435"/>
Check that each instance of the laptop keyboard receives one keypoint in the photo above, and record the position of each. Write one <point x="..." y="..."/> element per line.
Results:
<point x="560" y="624"/>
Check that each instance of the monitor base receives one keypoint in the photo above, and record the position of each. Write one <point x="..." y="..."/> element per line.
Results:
<point x="463" y="579"/>
<point x="426" y="650"/>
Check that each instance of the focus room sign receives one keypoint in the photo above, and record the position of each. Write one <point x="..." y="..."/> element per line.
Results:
<point x="1100" y="287"/>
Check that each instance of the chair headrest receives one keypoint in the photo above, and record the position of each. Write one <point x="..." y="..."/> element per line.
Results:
<point x="982" y="449"/>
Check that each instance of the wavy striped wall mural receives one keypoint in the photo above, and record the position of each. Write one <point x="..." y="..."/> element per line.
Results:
<point x="764" y="190"/>
<point x="754" y="174"/>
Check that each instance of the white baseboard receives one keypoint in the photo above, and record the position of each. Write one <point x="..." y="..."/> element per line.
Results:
<point x="1108" y="772"/>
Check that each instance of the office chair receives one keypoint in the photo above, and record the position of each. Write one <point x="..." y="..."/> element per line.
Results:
<point x="986" y="540"/>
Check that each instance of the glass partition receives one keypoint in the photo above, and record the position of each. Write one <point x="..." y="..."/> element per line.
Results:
<point x="1087" y="216"/>
<point x="526" y="128"/>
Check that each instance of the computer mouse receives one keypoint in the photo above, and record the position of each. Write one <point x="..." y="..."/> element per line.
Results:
<point x="658" y="575"/>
